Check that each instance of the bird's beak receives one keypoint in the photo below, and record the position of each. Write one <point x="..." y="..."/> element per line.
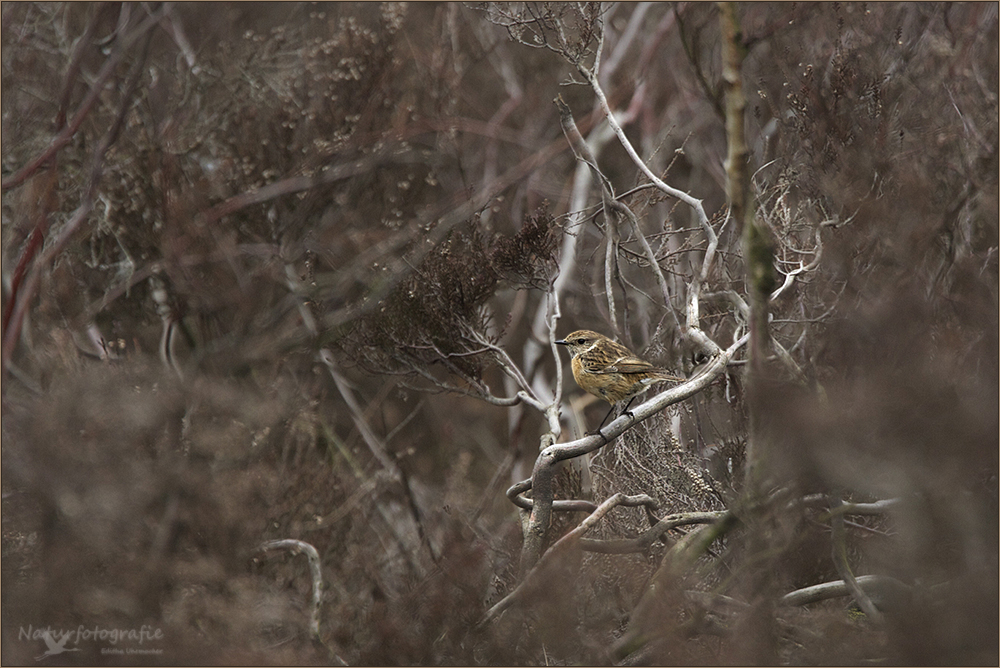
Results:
<point x="562" y="342"/>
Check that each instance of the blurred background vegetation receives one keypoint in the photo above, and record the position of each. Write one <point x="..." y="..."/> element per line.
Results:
<point x="269" y="270"/>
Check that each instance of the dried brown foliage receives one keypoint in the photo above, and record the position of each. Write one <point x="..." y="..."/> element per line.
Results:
<point x="237" y="236"/>
<point x="439" y="316"/>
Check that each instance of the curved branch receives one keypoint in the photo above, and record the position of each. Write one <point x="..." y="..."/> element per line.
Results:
<point x="643" y="542"/>
<point x="839" y="554"/>
<point x="676" y="562"/>
<point x="879" y="587"/>
<point x="694" y="203"/>
<point x="661" y="280"/>
<point x="613" y="203"/>
<point x="541" y="482"/>
<point x="564" y="544"/>
<point x="301" y="547"/>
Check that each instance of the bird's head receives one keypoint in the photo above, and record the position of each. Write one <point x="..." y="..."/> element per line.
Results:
<point x="581" y="341"/>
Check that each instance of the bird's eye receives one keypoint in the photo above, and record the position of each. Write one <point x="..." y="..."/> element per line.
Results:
<point x="581" y="341"/>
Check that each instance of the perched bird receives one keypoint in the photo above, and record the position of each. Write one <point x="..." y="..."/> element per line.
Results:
<point x="609" y="370"/>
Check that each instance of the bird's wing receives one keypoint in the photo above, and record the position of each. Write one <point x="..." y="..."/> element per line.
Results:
<point x="629" y="365"/>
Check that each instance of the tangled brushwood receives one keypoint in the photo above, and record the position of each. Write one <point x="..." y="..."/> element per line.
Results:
<point x="438" y="316"/>
<point x="282" y="282"/>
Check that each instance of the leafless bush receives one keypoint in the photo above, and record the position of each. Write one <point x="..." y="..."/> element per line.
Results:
<point x="242" y="242"/>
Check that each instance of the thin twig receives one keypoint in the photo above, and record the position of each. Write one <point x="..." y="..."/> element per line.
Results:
<point x="64" y="137"/>
<point x="16" y="319"/>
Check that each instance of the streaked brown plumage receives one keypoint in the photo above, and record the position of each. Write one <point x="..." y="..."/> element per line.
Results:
<point x="609" y="370"/>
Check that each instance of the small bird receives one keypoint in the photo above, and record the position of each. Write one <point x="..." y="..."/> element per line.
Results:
<point x="609" y="370"/>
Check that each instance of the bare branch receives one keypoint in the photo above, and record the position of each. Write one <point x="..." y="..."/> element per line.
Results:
<point x="30" y="287"/>
<point x="544" y="470"/>
<point x="839" y="555"/>
<point x="565" y="543"/>
<point x="64" y="137"/>
<point x="643" y="542"/>
<point x="881" y="587"/>
<point x="315" y="570"/>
